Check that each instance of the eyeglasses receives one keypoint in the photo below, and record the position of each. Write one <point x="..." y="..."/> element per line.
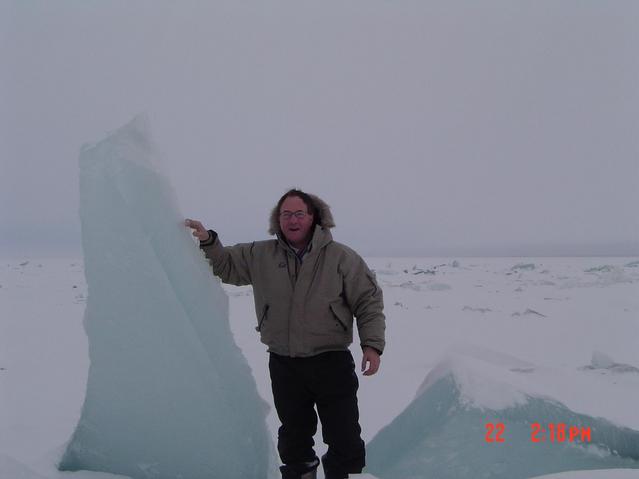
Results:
<point x="299" y="214"/>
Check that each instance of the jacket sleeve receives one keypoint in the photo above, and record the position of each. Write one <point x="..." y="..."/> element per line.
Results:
<point x="365" y="298"/>
<point x="232" y="264"/>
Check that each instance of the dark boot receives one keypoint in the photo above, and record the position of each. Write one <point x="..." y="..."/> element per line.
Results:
<point x="306" y="470"/>
<point x="331" y="473"/>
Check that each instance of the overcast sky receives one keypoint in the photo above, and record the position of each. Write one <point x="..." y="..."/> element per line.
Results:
<point x="431" y="128"/>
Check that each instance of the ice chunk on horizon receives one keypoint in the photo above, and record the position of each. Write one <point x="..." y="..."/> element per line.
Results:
<point x="529" y="312"/>
<point x="442" y="432"/>
<point x="601" y="361"/>
<point x="169" y="394"/>
<point x="606" y="268"/>
<point x="523" y="267"/>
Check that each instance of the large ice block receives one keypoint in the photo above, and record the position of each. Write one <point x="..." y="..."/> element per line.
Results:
<point x="169" y="393"/>
<point x="443" y="432"/>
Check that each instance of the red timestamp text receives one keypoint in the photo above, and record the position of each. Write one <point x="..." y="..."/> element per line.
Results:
<point x="552" y="432"/>
<point x="559" y="432"/>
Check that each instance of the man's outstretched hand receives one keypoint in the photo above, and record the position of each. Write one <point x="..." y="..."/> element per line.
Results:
<point x="199" y="231"/>
<point x="370" y="357"/>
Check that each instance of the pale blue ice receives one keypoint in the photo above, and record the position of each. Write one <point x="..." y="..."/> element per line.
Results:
<point x="169" y="393"/>
<point x="442" y="432"/>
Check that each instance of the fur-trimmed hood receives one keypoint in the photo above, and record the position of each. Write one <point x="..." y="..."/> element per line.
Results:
<point x="325" y="216"/>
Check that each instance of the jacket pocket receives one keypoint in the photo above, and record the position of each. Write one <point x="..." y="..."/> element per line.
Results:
<point x="343" y="317"/>
<point x="262" y="318"/>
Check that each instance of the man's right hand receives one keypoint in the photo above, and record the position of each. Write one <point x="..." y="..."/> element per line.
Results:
<point x="199" y="231"/>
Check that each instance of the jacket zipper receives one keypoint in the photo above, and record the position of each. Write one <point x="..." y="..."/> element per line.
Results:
<point x="259" y="326"/>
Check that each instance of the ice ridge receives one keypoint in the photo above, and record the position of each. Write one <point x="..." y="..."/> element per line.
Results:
<point x="443" y="432"/>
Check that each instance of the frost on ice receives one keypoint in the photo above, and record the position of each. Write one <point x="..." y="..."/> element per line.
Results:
<point x="442" y="432"/>
<point x="169" y="393"/>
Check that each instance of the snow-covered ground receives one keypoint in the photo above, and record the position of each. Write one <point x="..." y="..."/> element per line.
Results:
<point x="574" y="320"/>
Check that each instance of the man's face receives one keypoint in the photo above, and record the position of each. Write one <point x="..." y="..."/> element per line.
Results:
<point x="295" y="221"/>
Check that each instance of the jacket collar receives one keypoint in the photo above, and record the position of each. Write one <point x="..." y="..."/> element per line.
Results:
<point x="321" y="237"/>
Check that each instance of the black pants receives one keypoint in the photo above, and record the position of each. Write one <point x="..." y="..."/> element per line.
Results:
<point x="329" y="382"/>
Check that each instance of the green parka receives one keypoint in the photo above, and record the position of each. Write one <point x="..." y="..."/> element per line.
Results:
<point x="304" y="307"/>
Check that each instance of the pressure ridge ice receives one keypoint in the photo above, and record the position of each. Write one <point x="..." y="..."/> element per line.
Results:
<point x="442" y="432"/>
<point x="169" y="394"/>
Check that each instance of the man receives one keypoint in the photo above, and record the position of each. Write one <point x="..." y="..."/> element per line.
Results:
<point x="307" y="288"/>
